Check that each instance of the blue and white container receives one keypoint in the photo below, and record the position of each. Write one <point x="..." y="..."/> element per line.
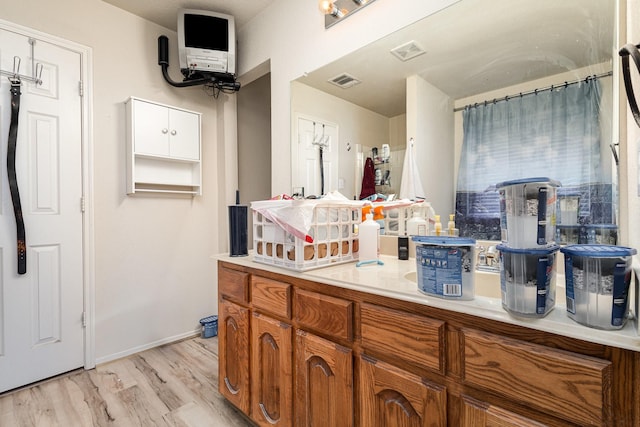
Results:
<point x="597" y="283"/>
<point x="445" y="266"/>
<point x="528" y="212"/>
<point x="209" y="326"/>
<point x="528" y="280"/>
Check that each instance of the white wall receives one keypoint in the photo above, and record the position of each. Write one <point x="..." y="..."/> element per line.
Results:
<point x="153" y="276"/>
<point x="254" y="144"/>
<point x="430" y="122"/>
<point x="292" y="36"/>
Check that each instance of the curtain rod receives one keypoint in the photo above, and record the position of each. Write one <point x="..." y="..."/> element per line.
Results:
<point x="534" y="91"/>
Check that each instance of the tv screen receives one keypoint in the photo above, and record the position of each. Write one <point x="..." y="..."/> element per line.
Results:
<point x="206" y="32"/>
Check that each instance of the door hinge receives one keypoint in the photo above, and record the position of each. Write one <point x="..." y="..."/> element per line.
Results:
<point x="81" y="88"/>
<point x="84" y="319"/>
<point x="82" y="204"/>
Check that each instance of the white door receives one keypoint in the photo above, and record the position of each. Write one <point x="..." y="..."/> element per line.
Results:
<point x="313" y="134"/>
<point x="41" y="312"/>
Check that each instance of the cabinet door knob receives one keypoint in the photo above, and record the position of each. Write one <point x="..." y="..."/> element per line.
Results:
<point x="173" y="132"/>
<point x="165" y="130"/>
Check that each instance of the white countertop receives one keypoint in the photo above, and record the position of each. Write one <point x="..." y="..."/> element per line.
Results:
<point x="389" y="280"/>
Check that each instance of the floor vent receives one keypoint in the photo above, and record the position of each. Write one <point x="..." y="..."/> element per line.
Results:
<point x="408" y="50"/>
<point x="344" y="80"/>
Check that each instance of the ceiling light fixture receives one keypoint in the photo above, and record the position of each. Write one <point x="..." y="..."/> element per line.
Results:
<point x="329" y="8"/>
<point x="336" y="10"/>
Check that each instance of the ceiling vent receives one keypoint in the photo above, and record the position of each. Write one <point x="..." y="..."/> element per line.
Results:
<point x="344" y="80"/>
<point x="408" y="51"/>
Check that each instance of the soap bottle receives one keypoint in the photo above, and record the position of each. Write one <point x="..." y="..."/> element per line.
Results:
<point x="451" y="226"/>
<point x="416" y="226"/>
<point x="369" y="236"/>
<point x="438" y="226"/>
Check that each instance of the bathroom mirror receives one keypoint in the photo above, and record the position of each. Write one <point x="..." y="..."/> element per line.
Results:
<point x="472" y="51"/>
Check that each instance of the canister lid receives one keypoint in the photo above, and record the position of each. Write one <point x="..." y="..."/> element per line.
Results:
<point x="444" y="240"/>
<point x="603" y="226"/>
<point x="532" y="251"/>
<point x="541" y="180"/>
<point x="601" y="251"/>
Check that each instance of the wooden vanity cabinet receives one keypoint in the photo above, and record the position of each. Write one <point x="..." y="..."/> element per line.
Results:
<point x="330" y="356"/>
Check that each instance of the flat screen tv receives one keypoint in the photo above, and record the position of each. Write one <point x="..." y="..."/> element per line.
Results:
<point x="206" y="42"/>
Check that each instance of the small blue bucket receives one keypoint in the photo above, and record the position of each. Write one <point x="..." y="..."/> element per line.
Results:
<point x="209" y="326"/>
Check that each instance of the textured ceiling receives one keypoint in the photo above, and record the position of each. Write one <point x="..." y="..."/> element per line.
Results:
<point x="476" y="46"/>
<point x="164" y="12"/>
<point x="472" y="47"/>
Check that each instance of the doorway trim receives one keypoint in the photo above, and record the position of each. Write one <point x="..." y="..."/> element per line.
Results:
<point x="86" y="204"/>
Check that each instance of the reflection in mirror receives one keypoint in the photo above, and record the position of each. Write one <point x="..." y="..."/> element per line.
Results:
<point x="408" y="85"/>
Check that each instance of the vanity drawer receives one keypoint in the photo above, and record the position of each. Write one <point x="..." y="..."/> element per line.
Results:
<point x="271" y="296"/>
<point x="420" y="338"/>
<point x="570" y="386"/>
<point x="233" y="285"/>
<point x="324" y="314"/>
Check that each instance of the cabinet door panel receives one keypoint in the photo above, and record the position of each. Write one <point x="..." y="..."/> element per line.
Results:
<point x="150" y="128"/>
<point x="271" y="366"/>
<point x="324" y="382"/>
<point x="233" y="342"/>
<point x="390" y="396"/>
<point x="184" y="132"/>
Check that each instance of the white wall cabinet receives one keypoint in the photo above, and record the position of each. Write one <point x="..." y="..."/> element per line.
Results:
<point x="163" y="148"/>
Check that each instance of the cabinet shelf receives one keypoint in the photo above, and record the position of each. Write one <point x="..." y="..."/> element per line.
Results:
<point x="165" y="158"/>
<point x="163" y="149"/>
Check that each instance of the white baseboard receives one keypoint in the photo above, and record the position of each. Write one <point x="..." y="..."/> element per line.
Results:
<point x="144" y="347"/>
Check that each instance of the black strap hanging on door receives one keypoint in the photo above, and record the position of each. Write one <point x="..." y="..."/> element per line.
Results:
<point x="11" y="173"/>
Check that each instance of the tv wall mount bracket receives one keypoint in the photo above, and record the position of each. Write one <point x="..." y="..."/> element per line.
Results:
<point x="215" y="81"/>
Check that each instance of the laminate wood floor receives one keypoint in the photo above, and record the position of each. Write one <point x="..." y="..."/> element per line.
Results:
<point x="171" y="385"/>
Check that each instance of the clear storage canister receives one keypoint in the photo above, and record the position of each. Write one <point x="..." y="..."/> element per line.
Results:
<point x="445" y="266"/>
<point x="597" y="284"/>
<point x="528" y="212"/>
<point x="528" y="280"/>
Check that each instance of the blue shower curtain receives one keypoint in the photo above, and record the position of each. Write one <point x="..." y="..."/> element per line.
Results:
<point x="553" y="133"/>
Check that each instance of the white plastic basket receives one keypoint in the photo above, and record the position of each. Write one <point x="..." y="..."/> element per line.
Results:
<point x="395" y="219"/>
<point x="334" y="230"/>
